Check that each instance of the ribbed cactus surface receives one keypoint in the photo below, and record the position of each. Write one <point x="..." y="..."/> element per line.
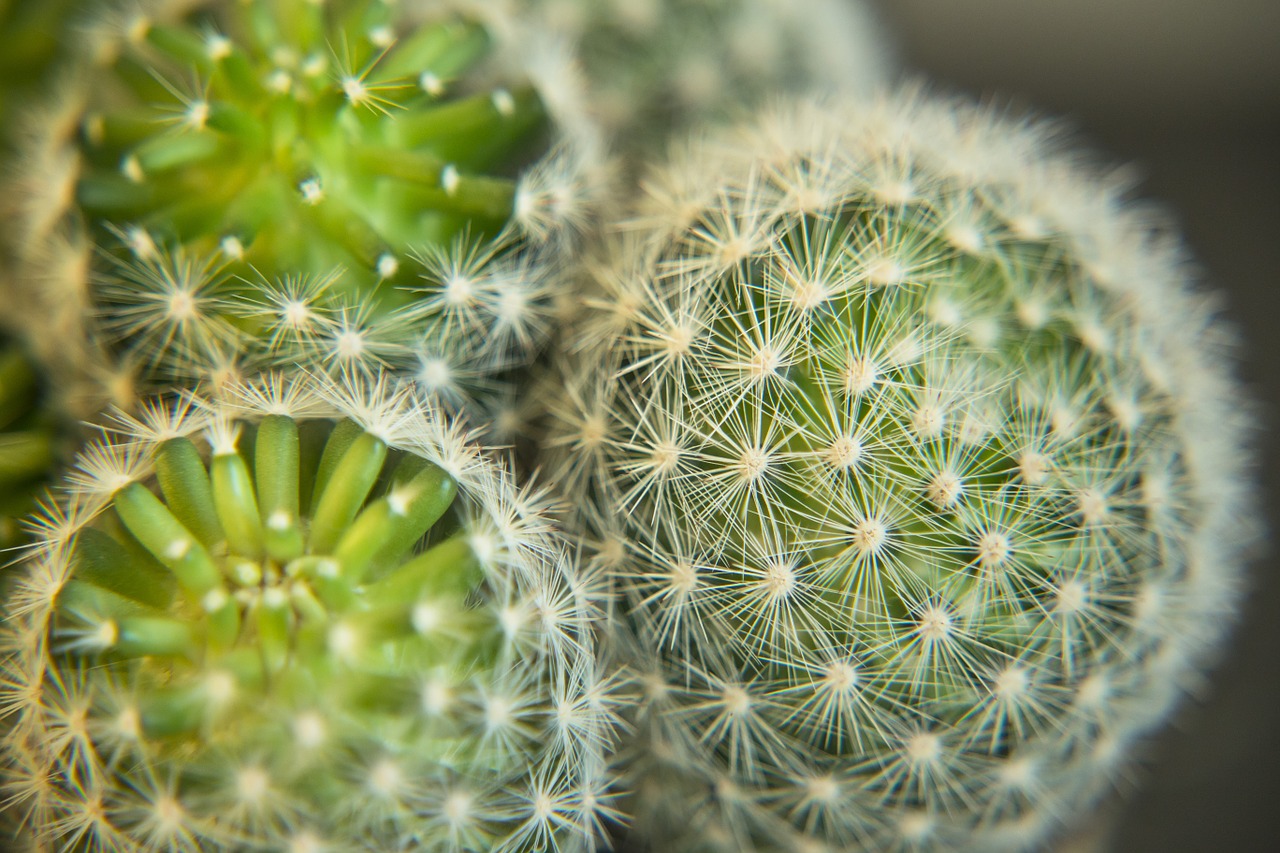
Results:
<point x="351" y="185"/>
<point x="310" y="617"/>
<point x="918" y="465"/>
<point x="28" y="438"/>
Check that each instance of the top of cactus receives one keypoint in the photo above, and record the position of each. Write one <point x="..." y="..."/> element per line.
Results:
<point x="222" y="637"/>
<point x="930" y="467"/>
<point x="351" y="184"/>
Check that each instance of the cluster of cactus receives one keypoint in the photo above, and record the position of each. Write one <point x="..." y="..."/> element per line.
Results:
<point x="310" y="617"/>
<point x="890" y="468"/>
<point x="919" y="472"/>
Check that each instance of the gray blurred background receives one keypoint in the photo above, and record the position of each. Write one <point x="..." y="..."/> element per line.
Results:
<point x="1189" y="92"/>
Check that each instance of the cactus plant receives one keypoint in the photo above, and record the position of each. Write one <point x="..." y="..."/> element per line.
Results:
<point x="657" y="69"/>
<point x="350" y="185"/>
<point x="920" y="467"/>
<point x="309" y="617"/>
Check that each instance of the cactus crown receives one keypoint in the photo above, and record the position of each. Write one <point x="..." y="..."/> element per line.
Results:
<point x="926" y="458"/>
<point x="28" y="45"/>
<point x="350" y="185"/>
<point x="298" y="622"/>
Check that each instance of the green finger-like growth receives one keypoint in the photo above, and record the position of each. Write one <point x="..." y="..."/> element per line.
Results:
<point x="922" y="474"/>
<point x="203" y="653"/>
<point x="347" y="185"/>
<point x="306" y="136"/>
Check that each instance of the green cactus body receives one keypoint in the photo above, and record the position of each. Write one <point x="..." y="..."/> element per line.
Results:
<point x="922" y="474"/>
<point x="297" y="623"/>
<point x="347" y="185"/>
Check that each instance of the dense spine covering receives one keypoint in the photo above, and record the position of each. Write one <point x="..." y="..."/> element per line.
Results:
<point x="352" y="185"/>
<point x="310" y="617"/>
<point x="657" y="69"/>
<point x="921" y="471"/>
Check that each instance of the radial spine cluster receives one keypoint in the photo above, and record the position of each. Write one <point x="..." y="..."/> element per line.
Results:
<point x="311" y="617"/>
<point x="348" y="185"/>
<point x="918" y="463"/>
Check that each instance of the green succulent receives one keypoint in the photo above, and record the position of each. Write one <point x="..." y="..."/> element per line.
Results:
<point x="312" y="617"/>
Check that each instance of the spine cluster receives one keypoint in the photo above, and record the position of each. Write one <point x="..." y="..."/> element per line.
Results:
<point x="311" y="617"/>
<point x="918" y="467"/>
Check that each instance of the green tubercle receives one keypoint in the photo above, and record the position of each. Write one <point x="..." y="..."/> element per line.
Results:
<point x="296" y="136"/>
<point x="338" y="669"/>
<point x="352" y="185"/>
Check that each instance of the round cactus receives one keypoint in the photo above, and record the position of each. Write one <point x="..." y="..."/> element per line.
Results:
<point x="310" y="618"/>
<point x="920" y="466"/>
<point x="349" y="185"/>
<point x="658" y="68"/>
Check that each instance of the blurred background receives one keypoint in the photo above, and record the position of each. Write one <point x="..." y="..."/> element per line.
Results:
<point x="1188" y="91"/>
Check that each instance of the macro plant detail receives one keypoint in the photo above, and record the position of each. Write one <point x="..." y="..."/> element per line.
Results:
<point x="309" y="617"/>
<point x="349" y="185"/>
<point x="892" y="474"/>
<point x="918" y="464"/>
